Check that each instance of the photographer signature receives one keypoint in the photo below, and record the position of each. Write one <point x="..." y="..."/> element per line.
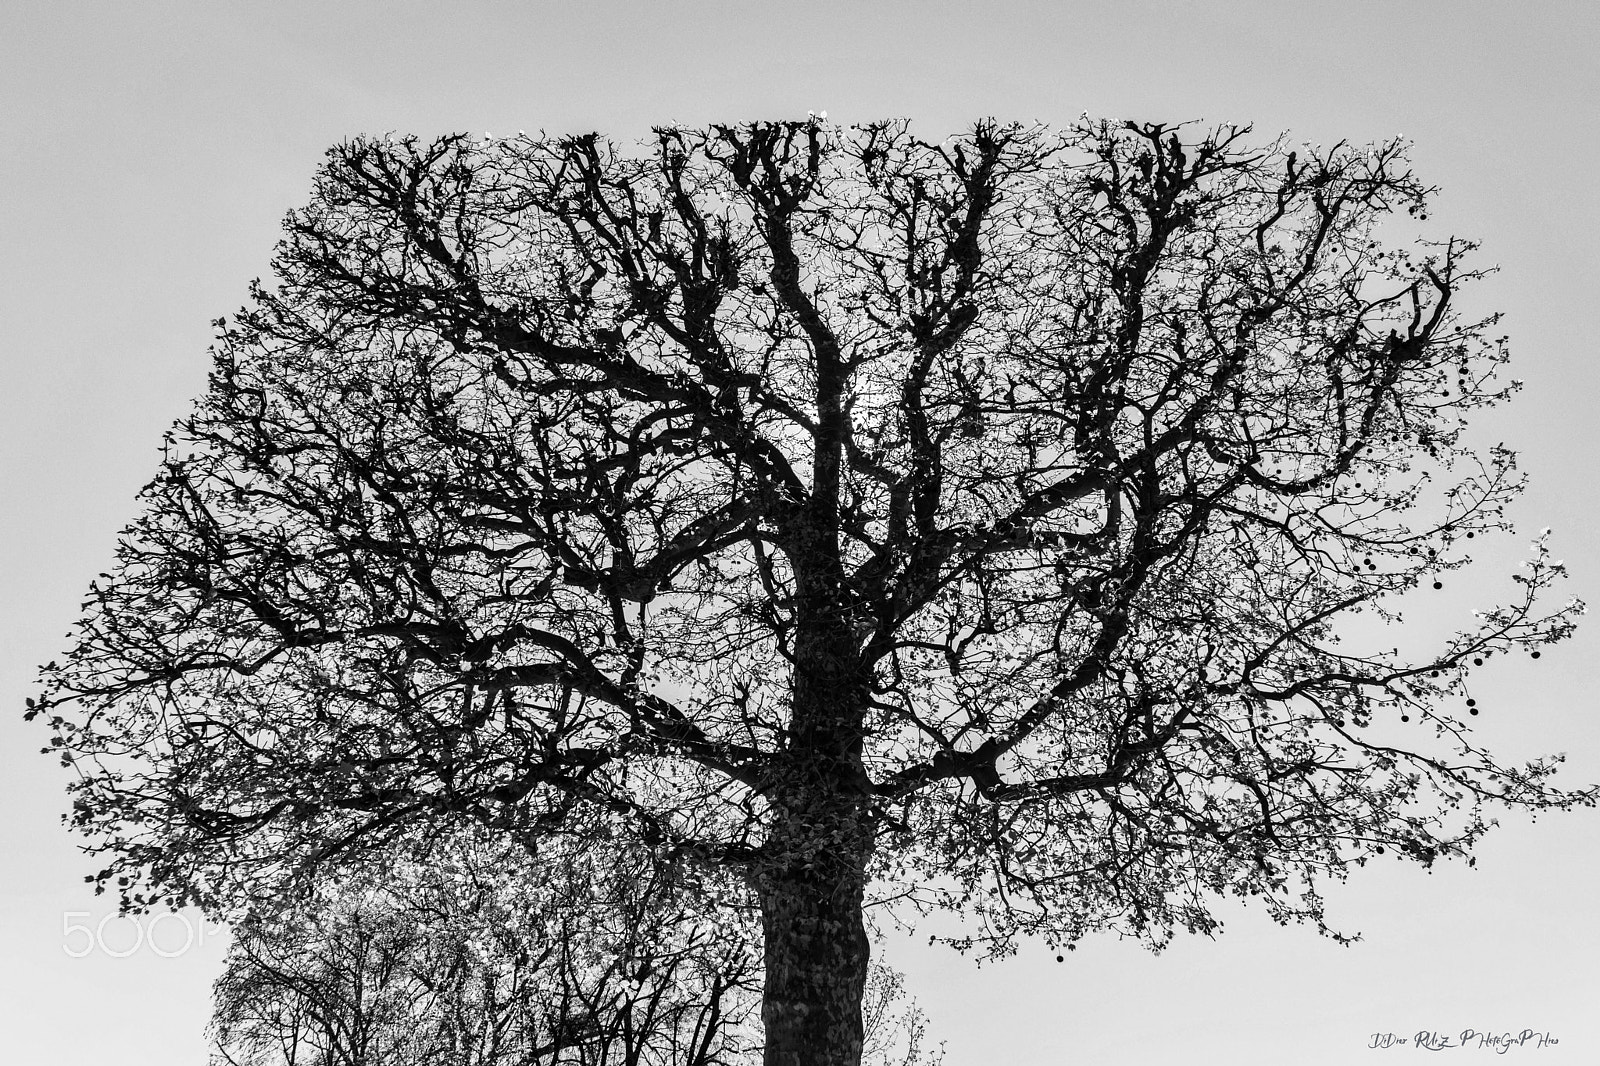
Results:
<point x="1429" y="1040"/>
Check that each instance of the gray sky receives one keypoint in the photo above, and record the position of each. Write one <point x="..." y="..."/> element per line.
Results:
<point x="150" y="149"/>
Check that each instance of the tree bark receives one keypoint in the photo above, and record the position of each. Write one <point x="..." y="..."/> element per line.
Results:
<point x="816" y="961"/>
<point x="817" y="846"/>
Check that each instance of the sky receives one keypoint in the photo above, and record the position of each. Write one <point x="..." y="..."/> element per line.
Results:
<point x="148" y="151"/>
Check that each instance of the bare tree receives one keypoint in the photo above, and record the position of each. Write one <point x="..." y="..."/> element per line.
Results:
<point x="835" y="515"/>
<point x="479" y="958"/>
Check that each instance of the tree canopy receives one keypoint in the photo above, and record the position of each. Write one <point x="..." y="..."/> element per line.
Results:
<point x="838" y="518"/>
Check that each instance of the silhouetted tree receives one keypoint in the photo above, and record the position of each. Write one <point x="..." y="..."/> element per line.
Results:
<point x="831" y="515"/>
<point x="477" y="958"/>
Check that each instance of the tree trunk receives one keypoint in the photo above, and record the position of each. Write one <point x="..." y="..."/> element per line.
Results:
<point x="821" y="836"/>
<point x="816" y="961"/>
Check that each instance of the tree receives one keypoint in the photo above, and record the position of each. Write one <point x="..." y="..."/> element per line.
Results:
<point x="476" y="959"/>
<point x="833" y="516"/>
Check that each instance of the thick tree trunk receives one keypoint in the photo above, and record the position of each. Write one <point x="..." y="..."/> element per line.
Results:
<point x="814" y="883"/>
<point x="816" y="960"/>
<point x="821" y="836"/>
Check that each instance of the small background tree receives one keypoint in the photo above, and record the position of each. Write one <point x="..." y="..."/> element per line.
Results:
<point x="479" y="958"/>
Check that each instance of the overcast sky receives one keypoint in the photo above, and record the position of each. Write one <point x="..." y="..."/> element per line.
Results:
<point x="149" y="150"/>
